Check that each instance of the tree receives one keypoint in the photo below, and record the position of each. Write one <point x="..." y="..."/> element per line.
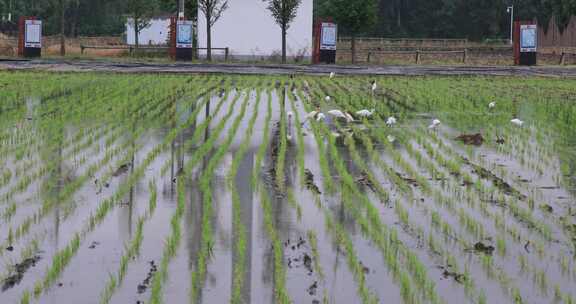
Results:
<point x="212" y="10"/>
<point x="353" y="17"/>
<point x="141" y="12"/>
<point x="284" y="12"/>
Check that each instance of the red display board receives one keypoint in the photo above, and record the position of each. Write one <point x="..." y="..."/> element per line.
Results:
<point x="525" y="42"/>
<point x="29" y="43"/>
<point x="324" y="50"/>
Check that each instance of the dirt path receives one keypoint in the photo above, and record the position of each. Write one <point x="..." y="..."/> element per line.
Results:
<point x="103" y="66"/>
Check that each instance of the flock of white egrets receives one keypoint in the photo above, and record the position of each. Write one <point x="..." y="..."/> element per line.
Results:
<point x="347" y="117"/>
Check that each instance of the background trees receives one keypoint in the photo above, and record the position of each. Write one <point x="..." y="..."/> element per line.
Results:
<point x="212" y="10"/>
<point x="284" y="12"/>
<point x="472" y="19"/>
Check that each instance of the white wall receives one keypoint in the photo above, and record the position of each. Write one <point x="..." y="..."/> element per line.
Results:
<point x="157" y="32"/>
<point x="250" y="32"/>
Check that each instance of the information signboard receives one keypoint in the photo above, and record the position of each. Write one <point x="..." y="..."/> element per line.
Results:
<point x="184" y="34"/>
<point x="528" y="38"/>
<point x="329" y="36"/>
<point x="33" y="34"/>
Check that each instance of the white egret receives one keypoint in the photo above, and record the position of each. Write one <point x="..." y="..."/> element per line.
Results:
<point x="492" y="105"/>
<point x="332" y="75"/>
<point x="374" y="86"/>
<point x="435" y="124"/>
<point x="517" y="122"/>
<point x="327" y="98"/>
<point x="340" y="114"/>
<point x="365" y="113"/>
<point x="320" y="117"/>
<point x="391" y="121"/>
<point x="391" y="138"/>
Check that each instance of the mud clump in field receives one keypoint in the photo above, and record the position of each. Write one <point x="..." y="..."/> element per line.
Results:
<point x="471" y="139"/>
<point x="146" y="283"/>
<point x="364" y="180"/>
<point x="483" y="248"/>
<point x="19" y="271"/>
<point x="447" y="273"/>
<point x="408" y="180"/>
<point x="310" y="184"/>
<point x="121" y="170"/>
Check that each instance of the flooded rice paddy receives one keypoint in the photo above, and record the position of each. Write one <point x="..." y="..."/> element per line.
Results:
<point x="218" y="189"/>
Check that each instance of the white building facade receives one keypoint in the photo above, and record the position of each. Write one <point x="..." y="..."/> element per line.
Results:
<point x="249" y="31"/>
<point x="155" y="34"/>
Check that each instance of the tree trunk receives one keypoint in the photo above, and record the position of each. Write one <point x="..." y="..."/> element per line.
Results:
<point x="208" y="39"/>
<point x="353" y="48"/>
<point x="136" y="32"/>
<point x="62" y="28"/>
<point x="283" y="43"/>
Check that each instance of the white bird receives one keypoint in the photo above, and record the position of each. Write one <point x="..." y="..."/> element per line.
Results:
<point x="391" y="121"/>
<point x="374" y="86"/>
<point x="492" y="105"/>
<point x="391" y="138"/>
<point x="517" y="122"/>
<point x="320" y="117"/>
<point x="349" y="117"/>
<point x="332" y="74"/>
<point x="340" y="114"/>
<point x="327" y="98"/>
<point x="365" y="113"/>
<point x="435" y="124"/>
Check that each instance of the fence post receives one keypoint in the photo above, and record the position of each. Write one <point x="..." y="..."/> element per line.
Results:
<point x="226" y="52"/>
<point x="368" y="58"/>
<point x="465" y="56"/>
<point x="418" y="57"/>
<point x="563" y="58"/>
<point x="82" y="49"/>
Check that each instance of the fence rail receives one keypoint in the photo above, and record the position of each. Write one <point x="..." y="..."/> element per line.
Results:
<point x="133" y="49"/>
<point x="418" y="53"/>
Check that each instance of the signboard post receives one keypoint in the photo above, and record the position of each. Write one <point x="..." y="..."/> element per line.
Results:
<point x="326" y="34"/>
<point x="525" y="43"/>
<point x="30" y="37"/>
<point x="184" y="40"/>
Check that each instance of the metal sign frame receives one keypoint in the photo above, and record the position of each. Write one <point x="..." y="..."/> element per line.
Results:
<point x="184" y="34"/>
<point x="528" y="38"/>
<point x="328" y="36"/>
<point x="33" y="34"/>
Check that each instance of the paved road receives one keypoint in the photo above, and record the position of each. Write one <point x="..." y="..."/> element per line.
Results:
<point x="269" y="69"/>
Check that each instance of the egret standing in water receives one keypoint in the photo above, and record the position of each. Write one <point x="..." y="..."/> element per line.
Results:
<point x="365" y="113"/>
<point x="435" y="124"/>
<point x="374" y="87"/>
<point x="316" y="115"/>
<point x="517" y="122"/>
<point x="492" y="105"/>
<point x="391" y="121"/>
<point x="341" y="115"/>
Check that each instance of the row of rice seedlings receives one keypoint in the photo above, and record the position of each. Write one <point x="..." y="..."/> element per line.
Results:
<point x="280" y="293"/>
<point x="68" y="191"/>
<point x="63" y="257"/>
<point x="207" y="240"/>
<point x="323" y="155"/>
<point x="300" y="145"/>
<point x="132" y="249"/>
<point x="393" y="250"/>
<point x="342" y="239"/>
<point x="240" y="245"/>
<point x="172" y="242"/>
<point x="265" y="138"/>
